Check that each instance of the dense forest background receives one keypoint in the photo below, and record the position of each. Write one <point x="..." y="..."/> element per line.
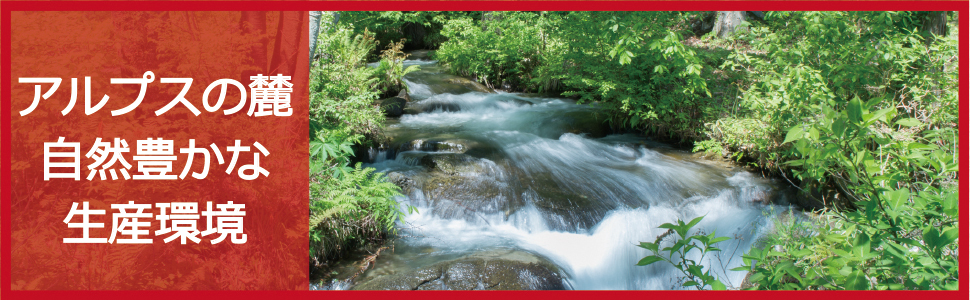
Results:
<point x="858" y="110"/>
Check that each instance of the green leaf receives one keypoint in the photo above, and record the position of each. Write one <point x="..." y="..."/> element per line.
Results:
<point x="917" y="146"/>
<point x="931" y="237"/>
<point x="801" y="252"/>
<point x="834" y="237"/>
<point x="861" y="247"/>
<point x="695" y="270"/>
<point x="756" y="278"/>
<point x="879" y="115"/>
<point x="951" y="204"/>
<point x="648" y="260"/>
<point x="718" y="286"/>
<point x="694" y="222"/>
<point x="677" y="245"/>
<point x="897" y="198"/>
<point x="948" y="236"/>
<point x="649" y="246"/>
<point x="856" y="281"/>
<point x="854" y="110"/>
<point x="794" y="133"/>
<point x="742" y="268"/>
<point x="909" y="122"/>
<point x="625" y="58"/>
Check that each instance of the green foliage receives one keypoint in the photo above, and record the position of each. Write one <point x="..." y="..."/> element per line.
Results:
<point x="342" y="88"/>
<point x="333" y="147"/>
<point x="860" y="104"/>
<point x="633" y="64"/>
<point x="351" y="209"/>
<point x="501" y="47"/>
<point x="422" y="29"/>
<point x="802" y="59"/>
<point x="682" y="253"/>
<point x="391" y="68"/>
<point x="356" y="194"/>
<point x="901" y="228"/>
<point x="874" y="123"/>
<point x="349" y="206"/>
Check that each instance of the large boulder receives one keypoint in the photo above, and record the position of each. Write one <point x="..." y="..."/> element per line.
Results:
<point x="461" y="186"/>
<point x="402" y="181"/>
<point x="445" y="141"/>
<point x="394" y="106"/>
<point x="431" y="106"/>
<point x="452" y="163"/>
<point x="565" y="206"/>
<point x="491" y="270"/>
<point x="404" y="95"/>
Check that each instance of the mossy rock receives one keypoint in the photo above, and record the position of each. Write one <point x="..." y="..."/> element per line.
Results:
<point x="393" y="107"/>
<point x="470" y="84"/>
<point x="574" y="208"/>
<point x="465" y="187"/>
<point x="402" y="181"/>
<point x="438" y="145"/>
<point x="468" y="198"/>
<point x="452" y="163"/>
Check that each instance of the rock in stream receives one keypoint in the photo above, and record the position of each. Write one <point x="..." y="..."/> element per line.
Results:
<point x="492" y="270"/>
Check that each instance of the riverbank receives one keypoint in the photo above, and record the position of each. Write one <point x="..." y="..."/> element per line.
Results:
<point x="494" y="171"/>
<point x="868" y="131"/>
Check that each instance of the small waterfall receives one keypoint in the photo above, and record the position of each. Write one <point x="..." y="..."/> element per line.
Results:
<point x="546" y="176"/>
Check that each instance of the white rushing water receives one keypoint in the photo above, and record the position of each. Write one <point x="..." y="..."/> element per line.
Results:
<point x="540" y="182"/>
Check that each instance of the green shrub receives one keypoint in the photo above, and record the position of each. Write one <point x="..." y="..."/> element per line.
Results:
<point x="900" y="228"/>
<point x="391" y="69"/>
<point x="349" y="206"/>
<point x="421" y="29"/>
<point x="502" y="49"/>
<point x="803" y="59"/>
<point x="681" y="253"/>
<point x="636" y="67"/>
<point x="861" y="104"/>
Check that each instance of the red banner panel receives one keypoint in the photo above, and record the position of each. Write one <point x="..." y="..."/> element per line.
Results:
<point x="158" y="150"/>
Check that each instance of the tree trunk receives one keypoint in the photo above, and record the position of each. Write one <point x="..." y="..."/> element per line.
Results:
<point x="314" y="31"/>
<point x="254" y="22"/>
<point x="490" y="17"/>
<point x="934" y="24"/>
<point x="727" y="23"/>
<point x="284" y="61"/>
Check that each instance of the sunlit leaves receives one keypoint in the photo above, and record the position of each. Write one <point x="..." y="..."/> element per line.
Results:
<point x="686" y="253"/>
<point x="347" y="203"/>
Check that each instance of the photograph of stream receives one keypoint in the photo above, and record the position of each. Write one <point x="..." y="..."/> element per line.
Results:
<point x="495" y="150"/>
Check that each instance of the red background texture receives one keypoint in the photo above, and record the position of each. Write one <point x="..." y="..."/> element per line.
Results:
<point x="205" y="46"/>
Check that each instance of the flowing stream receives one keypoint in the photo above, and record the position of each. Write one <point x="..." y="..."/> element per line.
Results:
<point x="495" y="171"/>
